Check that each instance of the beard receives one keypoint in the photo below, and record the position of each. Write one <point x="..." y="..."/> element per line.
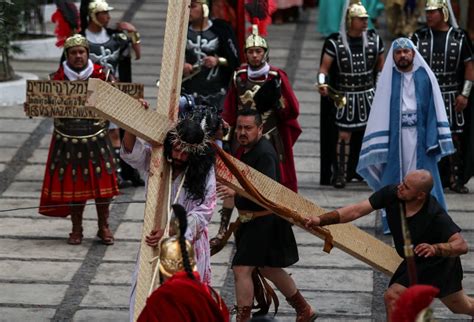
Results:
<point x="404" y="64"/>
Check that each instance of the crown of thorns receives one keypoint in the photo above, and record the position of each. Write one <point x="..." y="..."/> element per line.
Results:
<point x="191" y="148"/>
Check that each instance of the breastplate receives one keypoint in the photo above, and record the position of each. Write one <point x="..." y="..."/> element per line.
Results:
<point x="444" y="64"/>
<point x="107" y="54"/>
<point x="80" y="128"/>
<point x="356" y="65"/>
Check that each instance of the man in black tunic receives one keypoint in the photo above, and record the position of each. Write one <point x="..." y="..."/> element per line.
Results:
<point x="264" y="240"/>
<point x="436" y="238"/>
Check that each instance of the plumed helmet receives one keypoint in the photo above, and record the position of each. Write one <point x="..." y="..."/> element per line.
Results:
<point x="97" y="6"/>
<point x="76" y="40"/>
<point x="436" y="5"/>
<point x="356" y="10"/>
<point x="171" y="259"/>
<point x="255" y="40"/>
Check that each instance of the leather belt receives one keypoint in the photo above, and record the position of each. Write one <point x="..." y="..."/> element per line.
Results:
<point x="246" y="216"/>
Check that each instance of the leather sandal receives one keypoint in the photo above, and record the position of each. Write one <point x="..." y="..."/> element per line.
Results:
<point x="105" y="236"/>
<point x="75" y="238"/>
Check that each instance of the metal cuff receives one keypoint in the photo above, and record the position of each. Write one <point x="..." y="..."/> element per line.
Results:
<point x="466" y="88"/>
<point x="135" y="37"/>
<point x="322" y="79"/>
<point x="222" y="61"/>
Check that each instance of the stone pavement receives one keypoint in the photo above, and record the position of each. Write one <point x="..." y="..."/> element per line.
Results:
<point x="42" y="278"/>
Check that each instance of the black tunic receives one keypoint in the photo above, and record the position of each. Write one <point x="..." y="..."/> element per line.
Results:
<point x="268" y="240"/>
<point x="430" y="225"/>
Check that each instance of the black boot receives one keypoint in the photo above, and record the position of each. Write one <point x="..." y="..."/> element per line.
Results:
<point x="342" y="157"/>
<point x="104" y="233"/>
<point x="456" y="183"/>
<point x="121" y="182"/>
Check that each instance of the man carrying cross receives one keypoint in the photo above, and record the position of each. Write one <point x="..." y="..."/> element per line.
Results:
<point x="193" y="184"/>
<point x="81" y="163"/>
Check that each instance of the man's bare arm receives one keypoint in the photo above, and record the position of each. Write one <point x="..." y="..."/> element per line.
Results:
<point x="342" y="215"/>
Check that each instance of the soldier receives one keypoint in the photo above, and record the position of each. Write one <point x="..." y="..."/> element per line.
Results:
<point x="110" y="48"/>
<point x="258" y="85"/>
<point x="350" y="63"/>
<point x="80" y="163"/>
<point x="448" y="51"/>
<point x="211" y="55"/>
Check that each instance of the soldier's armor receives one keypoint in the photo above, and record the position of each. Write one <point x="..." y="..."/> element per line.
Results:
<point x="209" y="81"/>
<point x="446" y="65"/>
<point x="246" y="89"/>
<point x="108" y="54"/>
<point x="355" y="78"/>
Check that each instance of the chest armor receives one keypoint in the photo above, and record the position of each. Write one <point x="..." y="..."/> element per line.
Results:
<point x="246" y="90"/>
<point x="200" y="45"/>
<point x="108" y="54"/>
<point x="444" y="63"/>
<point x="356" y="65"/>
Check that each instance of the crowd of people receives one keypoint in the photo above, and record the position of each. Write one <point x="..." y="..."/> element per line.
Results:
<point x="401" y="121"/>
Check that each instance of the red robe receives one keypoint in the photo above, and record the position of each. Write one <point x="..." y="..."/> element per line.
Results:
<point x="288" y="125"/>
<point x="182" y="299"/>
<point x="56" y="194"/>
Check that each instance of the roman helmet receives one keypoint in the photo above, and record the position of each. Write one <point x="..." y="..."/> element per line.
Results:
<point x="255" y="40"/>
<point x="76" y="40"/>
<point x="356" y="10"/>
<point x="436" y="5"/>
<point x="171" y="258"/>
<point x="97" y="6"/>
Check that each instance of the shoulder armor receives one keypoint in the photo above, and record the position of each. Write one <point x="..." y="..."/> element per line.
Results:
<point x="274" y="73"/>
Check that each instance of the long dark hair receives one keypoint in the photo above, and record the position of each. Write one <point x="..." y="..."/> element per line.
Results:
<point x="199" y="164"/>
<point x="180" y="213"/>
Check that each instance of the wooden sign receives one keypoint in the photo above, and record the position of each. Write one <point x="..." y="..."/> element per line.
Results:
<point x="66" y="99"/>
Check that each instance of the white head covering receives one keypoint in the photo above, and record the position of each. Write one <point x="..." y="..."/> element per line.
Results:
<point x="343" y="27"/>
<point x="379" y="118"/>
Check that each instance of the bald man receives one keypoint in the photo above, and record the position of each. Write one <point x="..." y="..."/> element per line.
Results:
<point x="436" y="238"/>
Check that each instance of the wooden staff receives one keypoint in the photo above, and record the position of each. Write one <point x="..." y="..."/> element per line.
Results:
<point x="408" y="246"/>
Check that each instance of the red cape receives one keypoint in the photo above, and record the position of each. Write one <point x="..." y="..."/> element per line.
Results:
<point x="288" y="127"/>
<point x="182" y="299"/>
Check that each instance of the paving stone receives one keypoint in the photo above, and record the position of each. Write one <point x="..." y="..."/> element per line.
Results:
<point x="48" y="249"/>
<point x="135" y="211"/>
<point x="123" y="251"/>
<point x="6" y="154"/>
<point x="107" y="296"/>
<point x="24" y="125"/>
<point x="31" y="294"/>
<point x="128" y="230"/>
<point x="12" y="140"/>
<point x="114" y="273"/>
<point x="87" y="315"/>
<point x="8" y="314"/>
<point x="23" y="189"/>
<point x="40" y="156"/>
<point x="2" y="167"/>
<point x="38" y="271"/>
<point x="32" y="173"/>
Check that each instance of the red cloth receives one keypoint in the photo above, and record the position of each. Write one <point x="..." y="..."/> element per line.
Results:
<point x="412" y="301"/>
<point x="56" y="192"/>
<point x="288" y="125"/>
<point x="182" y="299"/>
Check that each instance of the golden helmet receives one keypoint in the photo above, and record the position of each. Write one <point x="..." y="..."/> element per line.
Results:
<point x="356" y="10"/>
<point x="97" y="6"/>
<point x="76" y="40"/>
<point x="171" y="260"/>
<point x="438" y="4"/>
<point x="255" y="40"/>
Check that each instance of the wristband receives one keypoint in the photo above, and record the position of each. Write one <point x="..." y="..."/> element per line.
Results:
<point x="322" y="79"/>
<point x="222" y="61"/>
<point x="135" y="37"/>
<point x="443" y="249"/>
<point x="466" y="88"/>
<point x="330" y="218"/>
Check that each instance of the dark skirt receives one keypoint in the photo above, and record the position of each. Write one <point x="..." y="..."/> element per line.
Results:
<point x="265" y="241"/>
<point x="444" y="273"/>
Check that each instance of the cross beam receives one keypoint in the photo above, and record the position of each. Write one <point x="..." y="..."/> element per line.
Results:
<point x="346" y="237"/>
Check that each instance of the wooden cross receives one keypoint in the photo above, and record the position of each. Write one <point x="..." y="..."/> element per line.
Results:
<point x="153" y="126"/>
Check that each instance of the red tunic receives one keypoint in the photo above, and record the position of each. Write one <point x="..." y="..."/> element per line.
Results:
<point x="182" y="299"/>
<point x="58" y="192"/>
<point x="288" y="126"/>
